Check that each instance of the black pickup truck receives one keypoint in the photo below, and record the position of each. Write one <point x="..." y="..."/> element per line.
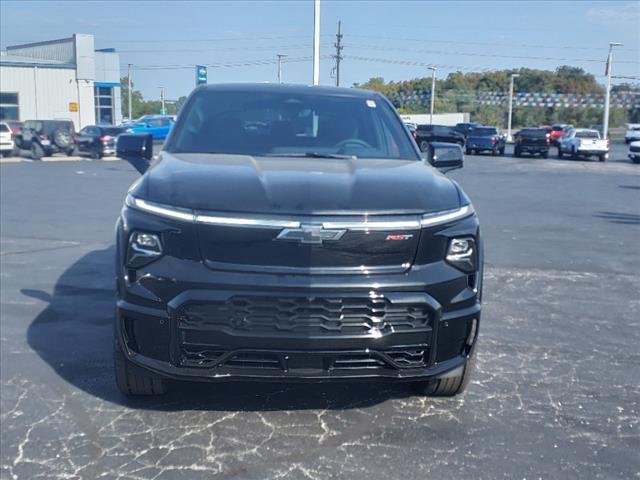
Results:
<point x="533" y="141"/>
<point x="294" y="233"/>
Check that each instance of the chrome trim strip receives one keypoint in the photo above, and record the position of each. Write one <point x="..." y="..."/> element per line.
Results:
<point x="375" y="225"/>
<point x="427" y="220"/>
<point x="161" y="210"/>
<point x="437" y="218"/>
<point x="246" y="222"/>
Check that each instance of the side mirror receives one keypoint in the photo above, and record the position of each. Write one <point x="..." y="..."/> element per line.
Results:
<point x="446" y="156"/>
<point x="136" y="148"/>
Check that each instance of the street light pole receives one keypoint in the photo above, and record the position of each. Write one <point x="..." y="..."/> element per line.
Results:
<point x="280" y="57"/>
<point x="129" y="89"/>
<point x="162" y="100"/>
<point x="513" y="76"/>
<point x="607" y="97"/>
<point x="316" y="42"/>
<point x="433" y="92"/>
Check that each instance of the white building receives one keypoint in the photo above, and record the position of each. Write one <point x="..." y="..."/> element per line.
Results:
<point x="64" y="79"/>
<point x="449" y="119"/>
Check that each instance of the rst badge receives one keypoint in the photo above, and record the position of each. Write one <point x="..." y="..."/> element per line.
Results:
<point x="310" y="234"/>
<point x="399" y="237"/>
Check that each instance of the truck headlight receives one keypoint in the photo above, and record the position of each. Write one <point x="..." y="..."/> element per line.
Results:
<point x="462" y="254"/>
<point x="144" y="248"/>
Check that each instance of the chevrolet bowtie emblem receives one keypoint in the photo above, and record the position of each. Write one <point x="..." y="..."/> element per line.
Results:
<point x="310" y="234"/>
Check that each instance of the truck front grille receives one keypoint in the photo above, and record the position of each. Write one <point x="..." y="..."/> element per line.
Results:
<point x="305" y="315"/>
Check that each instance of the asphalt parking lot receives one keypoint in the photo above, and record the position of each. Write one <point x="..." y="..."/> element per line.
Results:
<point x="556" y="393"/>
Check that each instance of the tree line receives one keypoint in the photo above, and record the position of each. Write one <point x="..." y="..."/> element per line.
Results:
<point x="458" y="91"/>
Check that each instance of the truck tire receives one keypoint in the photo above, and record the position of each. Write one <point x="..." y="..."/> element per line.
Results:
<point x="602" y="157"/>
<point x="447" y="387"/>
<point x="62" y="138"/>
<point x="424" y="146"/>
<point x="545" y="154"/>
<point x="132" y="380"/>
<point x="36" y="151"/>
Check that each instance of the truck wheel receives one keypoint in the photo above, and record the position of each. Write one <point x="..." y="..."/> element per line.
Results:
<point x="447" y="387"/>
<point x="424" y="146"/>
<point x="132" y="380"/>
<point x="602" y="157"/>
<point x="36" y="151"/>
<point x="545" y="154"/>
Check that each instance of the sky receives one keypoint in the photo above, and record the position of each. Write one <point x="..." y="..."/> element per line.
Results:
<point x="395" y="40"/>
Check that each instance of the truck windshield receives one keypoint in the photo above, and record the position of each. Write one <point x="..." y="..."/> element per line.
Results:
<point x="533" y="132"/>
<point x="269" y="123"/>
<point x="588" y="134"/>
<point x="481" y="132"/>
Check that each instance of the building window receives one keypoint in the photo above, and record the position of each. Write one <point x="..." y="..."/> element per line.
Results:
<point x="104" y="105"/>
<point x="9" y="109"/>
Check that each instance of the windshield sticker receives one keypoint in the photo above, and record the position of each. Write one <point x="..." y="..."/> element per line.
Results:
<point x="371" y="103"/>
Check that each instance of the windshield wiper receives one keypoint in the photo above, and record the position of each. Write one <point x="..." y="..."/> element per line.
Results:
<point x="312" y="155"/>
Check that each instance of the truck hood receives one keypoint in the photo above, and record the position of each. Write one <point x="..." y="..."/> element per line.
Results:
<point x="301" y="186"/>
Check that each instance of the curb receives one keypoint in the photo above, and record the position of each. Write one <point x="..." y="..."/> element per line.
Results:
<point x="55" y="159"/>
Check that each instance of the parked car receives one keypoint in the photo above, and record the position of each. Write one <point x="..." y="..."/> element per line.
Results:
<point x="485" y="139"/>
<point x="633" y="133"/>
<point x="294" y="233"/>
<point x="534" y="141"/>
<point x="157" y="125"/>
<point x="15" y="126"/>
<point x="412" y="127"/>
<point x="465" y="128"/>
<point x="583" y="142"/>
<point x="557" y="132"/>
<point x="426" y="134"/>
<point x="98" y="140"/>
<point x="634" y="151"/>
<point x="46" y="137"/>
<point x="6" y="140"/>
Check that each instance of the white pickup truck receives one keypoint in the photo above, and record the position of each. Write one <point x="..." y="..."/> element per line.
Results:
<point x="583" y="142"/>
<point x="633" y="133"/>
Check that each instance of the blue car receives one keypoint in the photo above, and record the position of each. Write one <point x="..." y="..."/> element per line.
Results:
<point x="157" y="125"/>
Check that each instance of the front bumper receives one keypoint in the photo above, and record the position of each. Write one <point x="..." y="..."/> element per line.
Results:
<point x="181" y="319"/>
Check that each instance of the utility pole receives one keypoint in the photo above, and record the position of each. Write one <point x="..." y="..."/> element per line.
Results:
<point x="162" y="100"/>
<point x="513" y="75"/>
<point x="316" y="42"/>
<point x="280" y="57"/>
<point x="338" y="55"/>
<point x="607" y="97"/>
<point x="433" y="92"/>
<point x="129" y="88"/>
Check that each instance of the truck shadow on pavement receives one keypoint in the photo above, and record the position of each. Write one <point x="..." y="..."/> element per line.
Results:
<point x="74" y="333"/>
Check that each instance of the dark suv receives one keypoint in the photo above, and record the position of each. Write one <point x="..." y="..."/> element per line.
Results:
<point x="289" y="233"/>
<point x="425" y="134"/>
<point x="46" y="137"/>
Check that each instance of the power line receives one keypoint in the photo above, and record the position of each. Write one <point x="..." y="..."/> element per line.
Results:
<point x="489" y="55"/>
<point x="246" y="63"/>
<point x="488" y="44"/>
